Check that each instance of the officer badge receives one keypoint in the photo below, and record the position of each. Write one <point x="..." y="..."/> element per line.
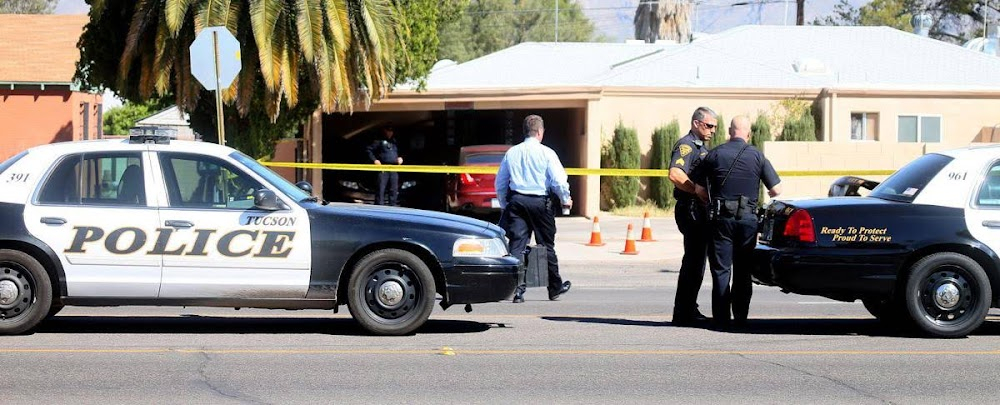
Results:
<point x="685" y="150"/>
<point x="679" y="162"/>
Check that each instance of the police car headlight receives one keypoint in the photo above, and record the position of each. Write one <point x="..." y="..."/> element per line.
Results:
<point x="480" y="248"/>
<point x="408" y="184"/>
<point x="353" y="185"/>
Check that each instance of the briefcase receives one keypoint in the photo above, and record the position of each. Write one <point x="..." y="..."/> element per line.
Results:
<point x="536" y="266"/>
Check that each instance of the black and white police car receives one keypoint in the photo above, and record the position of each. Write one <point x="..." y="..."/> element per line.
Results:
<point x="921" y="248"/>
<point x="149" y="221"/>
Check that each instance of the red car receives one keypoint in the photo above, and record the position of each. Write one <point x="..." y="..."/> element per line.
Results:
<point x="474" y="193"/>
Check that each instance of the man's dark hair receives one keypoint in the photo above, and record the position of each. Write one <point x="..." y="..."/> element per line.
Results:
<point x="702" y="112"/>
<point x="532" y="125"/>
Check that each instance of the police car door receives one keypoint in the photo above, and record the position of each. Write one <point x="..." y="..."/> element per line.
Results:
<point x="983" y="218"/>
<point x="93" y="210"/>
<point x="219" y="244"/>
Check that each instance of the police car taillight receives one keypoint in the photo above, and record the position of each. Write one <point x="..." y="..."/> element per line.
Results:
<point x="800" y="227"/>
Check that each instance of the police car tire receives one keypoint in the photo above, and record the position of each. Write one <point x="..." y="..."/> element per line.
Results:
<point x="397" y="268"/>
<point x="17" y="265"/>
<point x="947" y="272"/>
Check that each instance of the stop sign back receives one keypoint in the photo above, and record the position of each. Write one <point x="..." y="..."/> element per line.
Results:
<point x="215" y="49"/>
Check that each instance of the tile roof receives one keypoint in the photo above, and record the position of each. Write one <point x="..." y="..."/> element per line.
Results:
<point x="39" y="48"/>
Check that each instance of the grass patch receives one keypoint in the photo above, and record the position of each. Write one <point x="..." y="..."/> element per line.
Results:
<point x="639" y="210"/>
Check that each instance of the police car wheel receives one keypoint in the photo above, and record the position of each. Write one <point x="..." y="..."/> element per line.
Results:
<point x="25" y="292"/>
<point x="391" y="292"/>
<point x="947" y="295"/>
<point x="53" y="310"/>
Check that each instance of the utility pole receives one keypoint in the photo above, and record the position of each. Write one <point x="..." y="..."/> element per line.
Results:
<point x="786" y="13"/>
<point x="557" y="20"/>
<point x="800" y="12"/>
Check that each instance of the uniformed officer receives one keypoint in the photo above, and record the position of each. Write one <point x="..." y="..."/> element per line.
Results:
<point x="385" y="151"/>
<point x="728" y="179"/>
<point x="689" y="213"/>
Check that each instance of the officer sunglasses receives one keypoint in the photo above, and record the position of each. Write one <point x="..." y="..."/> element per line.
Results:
<point x="709" y="126"/>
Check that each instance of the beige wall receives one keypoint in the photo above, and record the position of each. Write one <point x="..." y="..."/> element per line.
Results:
<point x="962" y="118"/>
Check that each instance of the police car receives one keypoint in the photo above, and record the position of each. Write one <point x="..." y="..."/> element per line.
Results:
<point x="150" y="221"/>
<point x="921" y="248"/>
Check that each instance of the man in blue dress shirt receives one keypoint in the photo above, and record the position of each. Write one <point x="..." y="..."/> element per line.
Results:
<point x="528" y="173"/>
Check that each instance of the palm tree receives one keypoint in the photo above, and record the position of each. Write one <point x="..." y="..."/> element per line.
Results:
<point x="337" y="54"/>
<point x="663" y="19"/>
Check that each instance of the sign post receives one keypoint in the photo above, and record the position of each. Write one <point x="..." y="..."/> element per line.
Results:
<point x="215" y="62"/>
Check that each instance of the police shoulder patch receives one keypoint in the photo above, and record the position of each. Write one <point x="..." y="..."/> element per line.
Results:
<point x="685" y="150"/>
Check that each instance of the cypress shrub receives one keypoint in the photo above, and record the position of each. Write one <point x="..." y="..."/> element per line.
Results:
<point x="721" y="136"/>
<point x="660" y="188"/>
<point x="625" y="148"/>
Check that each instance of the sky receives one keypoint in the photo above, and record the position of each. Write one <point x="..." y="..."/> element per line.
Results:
<point x="614" y="17"/>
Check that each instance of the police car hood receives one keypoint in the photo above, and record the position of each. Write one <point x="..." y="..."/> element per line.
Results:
<point x="408" y="217"/>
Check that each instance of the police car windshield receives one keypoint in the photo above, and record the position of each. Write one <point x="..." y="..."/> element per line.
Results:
<point x="906" y="184"/>
<point x="10" y="162"/>
<point x="283" y="185"/>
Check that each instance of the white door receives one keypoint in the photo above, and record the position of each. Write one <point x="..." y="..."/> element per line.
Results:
<point x="219" y="244"/>
<point x="983" y="217"/>
<point x="93" y="211"/>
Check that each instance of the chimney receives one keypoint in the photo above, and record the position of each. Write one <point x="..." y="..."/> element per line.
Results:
<point x="921" y="24"/>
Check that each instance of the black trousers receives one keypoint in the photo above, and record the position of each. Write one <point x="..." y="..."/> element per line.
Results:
<point x="525" y="215"/>
<point x="388" y="183"/>
<point x="731" y="254"/>
<point x="691" y="221"/>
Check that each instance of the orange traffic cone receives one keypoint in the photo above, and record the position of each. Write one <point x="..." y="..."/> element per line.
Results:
<point x="630" y="243"/>
<point x="647" y="229"/>
<point x="595" y="234"/>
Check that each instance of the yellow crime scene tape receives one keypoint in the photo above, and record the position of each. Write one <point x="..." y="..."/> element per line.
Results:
<point x="572" y="171"/>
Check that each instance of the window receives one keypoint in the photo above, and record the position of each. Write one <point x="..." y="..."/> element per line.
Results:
<point x="989" y="193"/>
<point x="919" y="128"/>
<point x="96" y="179"/>
<point x="205" y="182"/>
<point x="864" y="126"/>
<point x="906" y="183"/>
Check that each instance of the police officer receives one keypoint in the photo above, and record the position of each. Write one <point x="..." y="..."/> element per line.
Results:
<point x="385" y="151"/>
<point x="728" y="179"/>
<point x="689" y="213"/>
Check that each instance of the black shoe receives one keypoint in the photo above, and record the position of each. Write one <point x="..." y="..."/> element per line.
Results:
<point x="693" y="319"/>
<point x="565" y="288"/>
<point x="518" y="298"/>
<point x="518" y="295"/>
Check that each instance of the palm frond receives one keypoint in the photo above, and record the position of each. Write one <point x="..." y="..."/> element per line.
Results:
<point x="144" y="11"/>
<point x="163" y="58"/>
<point x="290" y="76"/>
<point x="309" y="22"/>
<point x="265" y="18"/>
<point x="174" y="12"/>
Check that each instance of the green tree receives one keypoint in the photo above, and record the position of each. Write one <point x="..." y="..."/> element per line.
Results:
<point x="799" y="128"/>
<point x="760" y="132"/>
<point x="298" y="55"/>
<point x="27" y="6"/>
<point x="720" y="136"/>
<point x="118" y="120"/>
<point x="487" y="26"/>
<point x="664" y="138"/>
<point x="625" y="148"/>
<point x="951" y="20"/>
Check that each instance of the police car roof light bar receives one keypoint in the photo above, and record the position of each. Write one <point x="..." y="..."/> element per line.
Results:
<point x="155" y="135"/>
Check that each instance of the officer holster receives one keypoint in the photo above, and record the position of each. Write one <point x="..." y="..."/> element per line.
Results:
<point x="739" y="208"/>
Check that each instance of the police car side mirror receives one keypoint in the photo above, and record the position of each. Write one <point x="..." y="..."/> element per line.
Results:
<point x="266" y="200"/>
<point x="305" y="186"/>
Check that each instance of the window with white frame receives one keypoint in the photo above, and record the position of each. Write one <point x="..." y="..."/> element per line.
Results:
<point x="920" y="128"/>
<point x="864" y="126"/>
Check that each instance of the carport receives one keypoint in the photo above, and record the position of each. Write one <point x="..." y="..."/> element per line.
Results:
<point x="431" y="127"/>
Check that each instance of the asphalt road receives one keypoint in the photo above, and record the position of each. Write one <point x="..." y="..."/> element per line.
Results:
<point x="606" y="341"/>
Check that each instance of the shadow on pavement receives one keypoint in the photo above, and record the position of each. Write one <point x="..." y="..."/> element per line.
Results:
<point x="230" y="325"/>
<point x="798" y="326"/>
